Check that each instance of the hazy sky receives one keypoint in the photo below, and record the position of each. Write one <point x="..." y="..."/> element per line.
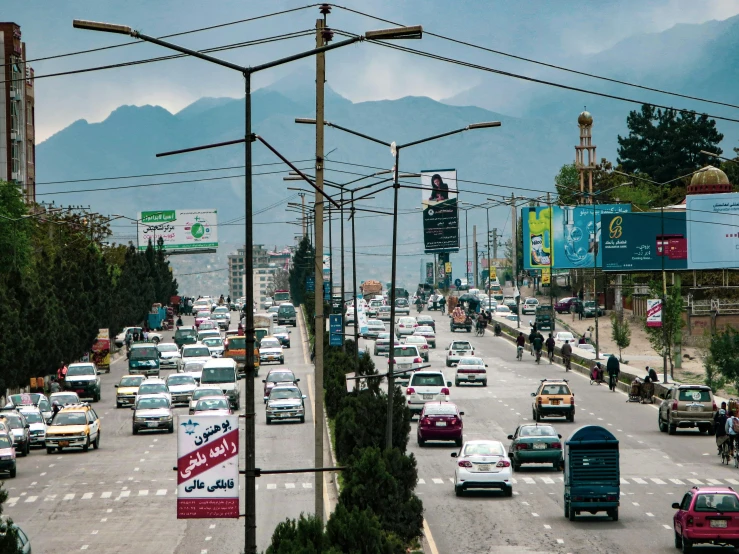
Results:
<point x="558" y="31"/>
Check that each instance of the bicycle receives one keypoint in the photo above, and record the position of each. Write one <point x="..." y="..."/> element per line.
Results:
<point x="443" y="308"/>
<point x="519" y="355"/>
<point x="566" y="362"/>
<point x="725" y="450"/>
<point x="479" y="330"/>
<point x="550" y="355"/>
<point x="538" y="356"/>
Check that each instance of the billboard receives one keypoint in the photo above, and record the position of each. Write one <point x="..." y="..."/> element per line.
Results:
<point x="207" y="466"/>
<point x="654" y="312"/>
<point x="101" y="350"/>
<point x="440" y="214"/>
<point x="183" y="231"/>
<point x="429" y="273"/>
<point x="713" y="230"/>
<point x="575" y="235"/>
<point x="645" y="241"/>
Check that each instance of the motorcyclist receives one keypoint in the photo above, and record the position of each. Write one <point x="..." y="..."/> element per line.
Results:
<point x="613" y="368"/>
<point x="566" y="353"/>
<point x="442" y="304"/>
<point x="179" y="321"/>
<point x="520" y="343"/>
<point x="550" y="348"/>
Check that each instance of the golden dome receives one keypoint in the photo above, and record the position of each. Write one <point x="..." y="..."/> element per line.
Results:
<point x="585" y="119"/>
<point x="710" y="176"/>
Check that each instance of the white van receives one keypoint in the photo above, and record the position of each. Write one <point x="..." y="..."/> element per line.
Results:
<point x="222" y="373"/>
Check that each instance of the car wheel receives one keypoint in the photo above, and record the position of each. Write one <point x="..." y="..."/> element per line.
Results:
<point x="571" y="418"/>
<point x="269" y="421"/>
<point x="170" y="429"/>
<point x="135" y="430"/>
<point x="96" y="444"/>
<point x="678" y="541"/>
<point x="456" y="382"/>
<point x="485" y="383"/>
<point x="86" y="446"/>
<point x="571" y="514"/>
<point x="118" y="404"/>
<point x="156" y="340"/>
<point x="458" y="442"/>
<point x="448" y="364"/>
<point x="302" y="419"/>
<point x="661" y="424"/>
<point x="459" y="491"/>
<point x="508" y="491"/>
<point x="537" y="417"/>
<point x="671" y="429"/>
<point x="374" y="352"/>
<point x="420" y="441"/>
<point x="687" y="546"/>
<point x="567" y="509"/>
<point x="516" y="466"/>
<point x="12" y="473"/>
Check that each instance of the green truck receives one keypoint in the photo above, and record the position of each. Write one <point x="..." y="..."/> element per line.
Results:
<point x="544" y="317"/>
<point x="592" y="474"/>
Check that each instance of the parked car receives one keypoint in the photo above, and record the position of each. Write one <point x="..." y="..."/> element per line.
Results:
<point x="706" y="515"/>
<point x="482" y="464"/>
<point x="589" y="309"/>
<point x="687" y="406"/>
<point x="535" y="444"/>
<point x="565" y="305"/>
<point x="440" y="421"/>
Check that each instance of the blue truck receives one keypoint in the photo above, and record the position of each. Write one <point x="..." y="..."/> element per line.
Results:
<point x="592" y="473"/>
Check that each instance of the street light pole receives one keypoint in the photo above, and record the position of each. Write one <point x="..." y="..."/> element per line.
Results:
<point x="354" y="285"/>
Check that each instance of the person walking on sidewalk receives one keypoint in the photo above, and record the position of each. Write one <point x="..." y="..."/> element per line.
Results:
<point x="613" y="368"/>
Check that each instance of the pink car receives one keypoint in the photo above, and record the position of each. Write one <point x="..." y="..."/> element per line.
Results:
<point x="200" y="317"/>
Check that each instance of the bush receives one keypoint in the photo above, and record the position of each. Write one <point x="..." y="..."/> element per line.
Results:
<point x="383" y="481"/>
<point x="362" y="419"/>
<point x="301" y="536"/>
<point x="358" y="531"/>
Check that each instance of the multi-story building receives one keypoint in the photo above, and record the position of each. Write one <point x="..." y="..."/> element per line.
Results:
<point x="261" y="259"/>
<point x="17" y="114"/>
<point x="264" y="278"/>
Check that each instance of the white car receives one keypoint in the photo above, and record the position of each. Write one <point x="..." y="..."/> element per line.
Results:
<point x="426" y="386"/>
<point x="427" y="332"/>
<point x="181" y="387"/>
<point x="561" y="336"/>
<point x="285" y="402"/>
<point x="502" y="310"/>
<point x="37" y="424"/>
<point x="197" y="352"/>
<point x="120" y="338"/>
<point x="270" y="350"/>
<point x="272" y="312"/>
<point x="202" y="392"/>
<point x="154" y="385"/>
<point x="382" y="344"/>
<point x="194" y="368"/>
<point x="215" y="346"/>
<point x="586" y="347"/>
<point x="374" y="328"/>
<point x="383" y="313"/>
<point x="208" y="333"/>
<point x="402" y="306"/>
<point x="406" y="326"/>
<point x="420" y="342"/>
<point x="212" y="405"/>
<point x="349" y="317"/>
<point x="66" y="398"/>
<point x="482" y="464"/>
<point x="458" y="349"/>
<point x="486" y="304"/>
<point x="471" y="370"/>
<point x="169" y="355"/>
<point x="223" y="310"/>
<point x="405" y="357"/>
<point x="529" y="306"/>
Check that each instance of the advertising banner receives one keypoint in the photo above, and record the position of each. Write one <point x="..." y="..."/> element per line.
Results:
<point x="183" y="231"/>
<point x="654" y="312"/>
<point x="207" y="466"/>
<point x="362" y="317"/>
<point x="575" y="235"/>
<point x="546" y="277"/>
<point x="336" y="330"/>
<point x="101" y="349"/>
<point x="713" y="231"/>
<point x="440" y="214"/>
<point x="645" y="241"/>
<point x="429" y="273"/>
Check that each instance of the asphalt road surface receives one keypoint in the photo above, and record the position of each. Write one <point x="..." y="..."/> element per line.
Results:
<point x="122" y="497"/>
<point x="656" y="468"/>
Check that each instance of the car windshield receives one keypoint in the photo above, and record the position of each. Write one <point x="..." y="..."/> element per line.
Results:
<point x="70" y="418"/>
<point x="212" y="404"/>
<point x="152" y="403"/>
<point x="405" y="351"/>
<point x="205" y="325"/>
<point x="564" y="336"/>
<point x="213" y="341"/>
<point x="279" y="377"/>
<point x="200" y="393"/>
<point x="471" y="361"/>
<point x="384" y="309"/>
<point x="280" y="330"/>
<point x="198" y="351"/>
<point x="131" y="381"/>
<point x="537" y="431"/>
<point x="82" y="370"/>
<point x="503" y="309"/>
<point x="193" y="366"/>
<point x="152" y="388"/>
<point x="65" y="399"/>
<point x="589" y="304"/>
<point x="185" y="333"/>
<point x="440" y="409"/>
<point x="424" y="329"/>
<point x="221" y="310"/>
<point x="556" y="389"/>
<point x="281" y="394"/>
<point x="218" y="375"/>
<point x="203" y="314"/>
<point x="269" y="343"/>
<point x="167" y="348"/>
<point x="376" y="323"/>
<point x="716" y="502"/>
<point x="180" y="380"/>
<point x="385" y="336"/>
<point x="532" y="301"/>
<point x="415" y="340"/>
<point x="461" y="346"/>
<point x="5" y="441"/>
<point x="237" y="343"/>
<point x="694" y="395"/>
<point x="141" y="353"/>
<point x="407" y="321"/>
<point x="428" y="380"/>
<point x="33" y="417"/>
<point x="483" y="449"/>
<point x="273" y="309"/>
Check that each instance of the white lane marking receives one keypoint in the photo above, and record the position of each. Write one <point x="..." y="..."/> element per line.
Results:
<point x="650" y="514"/>
<point x="208" y="538"/>
<point x="534" y="514"/>
<point x="271" y="486"/>
<point x="289" y="485"/>
<point x="162" y="492"/>
<point x="109" y="510"/>
<point x="513" y="481"/>
<point x="106" y="494"/>
<point x="696" y="481"/>
<point x="307" y="485"/>
<point x="124" y="494"/>
<point x="50" y="498"/>
<point x="69" y="496"/>
<point x="87" y="496"/>
<point x="31" y="499"/>
<point x="528" y="480"/>
<point x="136" y="469"/>
<point x="639" y="480"/>
<point x="84" y="547"/>
<point x="666" y="526"/>
<point x="548" y="480"/>
<point x="524" y="503"/>
<point x="34" y="483"/>
<point x="731" y="481"/>
<point x="212" y="526"/>
<point x="144" y="492"/>
<point x="657" y="481"/>
<point x="547" y="527"/>
<point x="714" y="482"/>
<point x="94" y="532"/>
<point x="624" y="481"/>
<point x="677" y="481"/>
<point x="560" y="541"/>
<point x="438" y="481"/>
<point x="420" y="482"/>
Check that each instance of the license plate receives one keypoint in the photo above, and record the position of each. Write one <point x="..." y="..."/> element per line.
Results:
<point x="428" y="396"/>
<point x="483" y="467"/>
<point x="695" y="408"/>
<point x="404" y="366"/>
<point x="441" y="423"/>
<point x="539" y="446"/>
<point x="720" y="523"/>
<point x="555" y="402"/>
<point x="63" y="443"/>
<point x="471" y="377"/>
<point x="79" y="391"/>
<point x="152" y="424"/>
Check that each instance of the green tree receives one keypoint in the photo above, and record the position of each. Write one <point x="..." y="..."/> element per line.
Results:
<point x="731" y="168"/>
<point x="664" y="338"/>
<point x="620" y="333"/>
<point x="722" y="363"/>
<point x="666" y="144"/>
<point x="383" y="481"/>
<point x="567" y="184"/>
<point x="302" y="536"/>
<point x="303" y="266"/>
<point x="358" y="531"/>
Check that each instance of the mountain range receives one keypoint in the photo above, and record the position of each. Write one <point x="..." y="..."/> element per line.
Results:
<point x="537" y="136"/>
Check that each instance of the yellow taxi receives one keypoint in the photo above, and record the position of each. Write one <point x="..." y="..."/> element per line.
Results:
<point x="553" y="398"/>
<point x="127" y="389"/>
<point x="74" y="426"/>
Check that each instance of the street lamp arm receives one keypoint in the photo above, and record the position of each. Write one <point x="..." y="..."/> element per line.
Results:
<point x="203" y="147"/>
<point x="469" y="127"/>
<point x="306" y="54"/>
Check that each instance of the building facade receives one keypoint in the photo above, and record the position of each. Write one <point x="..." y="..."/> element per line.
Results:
<point x="261" y="259"/>
<point x="17" y="113"/>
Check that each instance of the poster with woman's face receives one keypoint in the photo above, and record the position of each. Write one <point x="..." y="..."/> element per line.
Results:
<point x="438" y="186"/>
<point x="440" y="216"/>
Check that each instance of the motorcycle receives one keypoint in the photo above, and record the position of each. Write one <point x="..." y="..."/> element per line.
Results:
<point x="419" y="307"/>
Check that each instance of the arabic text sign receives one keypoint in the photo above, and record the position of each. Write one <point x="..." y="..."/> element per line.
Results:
<point x="181" y="230"/>
<point x="440" y="213"/>
<point x="713" y="230"/>
<point x="336" y="328"/>
<point x="207" y="467"/>
<point x="654" y="312"/>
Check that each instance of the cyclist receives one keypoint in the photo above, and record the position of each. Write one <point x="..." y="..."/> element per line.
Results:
<point x="550" y="348"/>
<point x="532" y="336"/>
<point x="520" y="343"/>
<point x="481" y="324"/>
<point x="732" y="429"/>
<point x="613" y="368"/>
<point x="442" y="304"/>
<point x="538" y="343"/>
<point x="566" y="353"/>
<point x="719" y="424"/>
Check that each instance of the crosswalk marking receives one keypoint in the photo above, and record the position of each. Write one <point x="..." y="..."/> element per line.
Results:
<point x="124" y="494"/>
<point x="548" y="480"/>
<point x="639" y="480"/>
<point x="657" y="481"/>
<point x="144" y="492"/>
<point x="87" y="496"/>
<point x="31" y="499"/>
<point x="420" y="482"/>
<point x="50" y="498"/>
<point x="437" y="481"/>
<point x="696" y="481"/>
<point x="161" y="492"/>
<point x="732" y="481"/>
<point x="307" y="485"/>
<point x="677" y="481"/>
<point x="106" y="494"/>
<point x="271" y="486"/>
<point x="528" y="480"/>
<point x="69" y="496"/>
<point x="714" y="482"/>
<point x="624" y="481"/>
<point x="289" y="485"/>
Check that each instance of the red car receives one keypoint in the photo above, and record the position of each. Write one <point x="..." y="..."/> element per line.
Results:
<point x="565" y="305"/>
<point x="440" y="421"/>
<point x="707" y="515"/>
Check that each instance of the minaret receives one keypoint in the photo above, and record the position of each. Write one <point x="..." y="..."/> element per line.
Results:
<point x="585" y="122"/>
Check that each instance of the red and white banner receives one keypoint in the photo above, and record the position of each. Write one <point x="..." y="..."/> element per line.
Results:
<point x="207" y="467"/>
<point x="654" y="312"/>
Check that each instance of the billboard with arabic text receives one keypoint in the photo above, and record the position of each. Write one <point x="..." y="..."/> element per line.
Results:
<point x="182" y="231"/>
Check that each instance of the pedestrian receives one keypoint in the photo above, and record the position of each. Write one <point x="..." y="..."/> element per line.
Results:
<point x="580" y="310"/>
<point x="719" y="425"/>
<point x="145" y="334"/>
<point x="532" y="336"/>
<point x="613" y="368"/>
<point x="566" y="353"/>
<point x="61" y="373"/>
<point x="582" y="340"/>
<point x="228" y="299"/>
<point x="550" y="348"/>
<point x="442" y="304"/>
<point x="652" y="374"/>
<point x="55" y="386"/>
<point x="537" y="344"/>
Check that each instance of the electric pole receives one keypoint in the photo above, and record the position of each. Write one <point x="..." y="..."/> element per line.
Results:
<point x="495" y="243"/>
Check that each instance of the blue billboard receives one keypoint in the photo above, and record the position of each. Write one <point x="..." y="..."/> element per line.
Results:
<point x="564" y="237"/>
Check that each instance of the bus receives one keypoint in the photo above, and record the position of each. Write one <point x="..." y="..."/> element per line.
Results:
<point x="281" y="296"/>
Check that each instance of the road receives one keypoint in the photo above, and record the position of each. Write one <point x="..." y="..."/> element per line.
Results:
<point x="656" y="469"/>
<point x="122" y="497"/>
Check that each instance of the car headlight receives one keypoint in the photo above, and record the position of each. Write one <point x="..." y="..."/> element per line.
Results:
<point x="8" y="457"/>
<point x="139" y="419"/>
